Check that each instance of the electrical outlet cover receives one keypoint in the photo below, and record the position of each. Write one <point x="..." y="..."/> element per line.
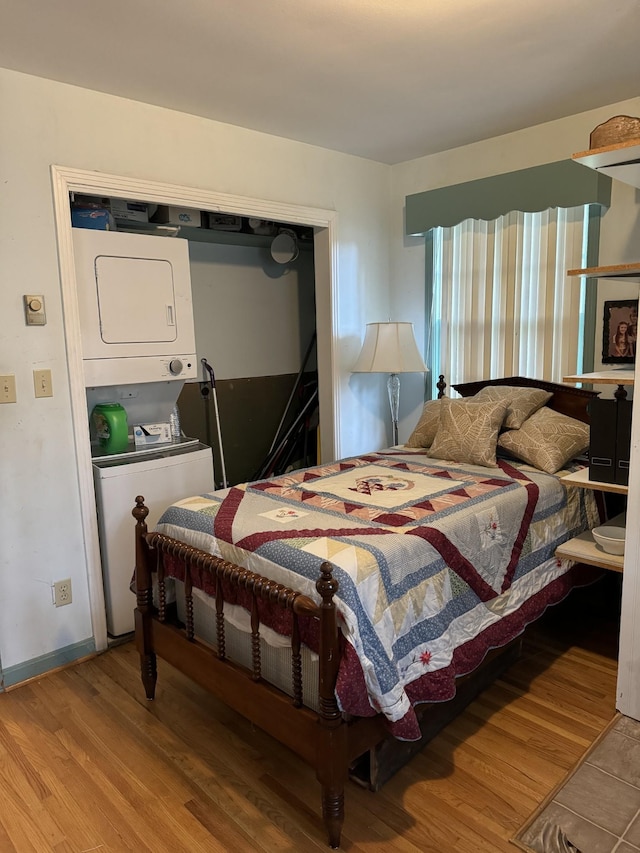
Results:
<point x="62" y="592"/>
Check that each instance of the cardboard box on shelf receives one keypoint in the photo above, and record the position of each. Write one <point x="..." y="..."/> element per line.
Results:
<point x="223" y="221"/>
<point x="167" y="215"/>
<point x="133" y="211"/>
<point x="261" y="226"/>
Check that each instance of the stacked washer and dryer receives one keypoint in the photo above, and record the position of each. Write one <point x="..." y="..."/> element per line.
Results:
<point x="138" y="349"/>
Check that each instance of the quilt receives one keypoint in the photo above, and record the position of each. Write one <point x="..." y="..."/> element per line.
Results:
<point x="437" y="562"/>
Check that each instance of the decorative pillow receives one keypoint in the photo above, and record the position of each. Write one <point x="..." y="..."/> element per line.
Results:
<point x="547" y="440"/>
<point x="522" y="402"/>
<point x="468" y="431"/>
<point x="427" y="427"/>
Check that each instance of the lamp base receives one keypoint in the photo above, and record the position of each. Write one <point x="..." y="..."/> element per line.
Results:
<point x="393" y="387"/>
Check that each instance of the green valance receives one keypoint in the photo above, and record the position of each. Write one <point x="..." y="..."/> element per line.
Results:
<point x="562" y="184"/>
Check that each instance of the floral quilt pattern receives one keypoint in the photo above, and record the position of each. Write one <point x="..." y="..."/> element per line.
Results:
<point x="430" y="556"/>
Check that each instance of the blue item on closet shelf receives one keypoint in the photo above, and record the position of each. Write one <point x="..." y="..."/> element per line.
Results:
<point x="91" y="217"/>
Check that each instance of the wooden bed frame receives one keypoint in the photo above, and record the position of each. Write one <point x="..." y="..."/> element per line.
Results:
<point x="333" y="743"/>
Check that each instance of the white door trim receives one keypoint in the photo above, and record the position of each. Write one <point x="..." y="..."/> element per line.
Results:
<point x="628" y="686"/>
<point x="66" y="180"/>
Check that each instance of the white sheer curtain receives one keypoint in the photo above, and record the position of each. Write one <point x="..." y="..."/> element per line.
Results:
<point x="502" y="303"/>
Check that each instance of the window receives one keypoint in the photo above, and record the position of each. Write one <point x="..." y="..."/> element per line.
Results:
<point x="499" y="300"/>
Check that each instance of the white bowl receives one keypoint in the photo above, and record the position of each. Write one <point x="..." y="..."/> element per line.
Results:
<point x="610" y="538"/>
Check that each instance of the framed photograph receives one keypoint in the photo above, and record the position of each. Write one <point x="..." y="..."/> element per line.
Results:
<point x="620" y="331"/>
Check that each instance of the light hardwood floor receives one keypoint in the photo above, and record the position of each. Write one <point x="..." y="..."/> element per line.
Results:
<point x="86" y="764"/>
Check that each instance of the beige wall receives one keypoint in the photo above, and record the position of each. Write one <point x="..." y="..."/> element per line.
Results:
<point x="253" y="317"/>
<point x="45" y="123"/>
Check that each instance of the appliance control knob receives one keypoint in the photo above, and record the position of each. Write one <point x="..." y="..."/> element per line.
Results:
<point x="175" y="366"/>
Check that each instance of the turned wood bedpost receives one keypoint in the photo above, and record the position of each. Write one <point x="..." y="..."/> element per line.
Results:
<point x="332" y="756"/>
<point x="144" y="602"/>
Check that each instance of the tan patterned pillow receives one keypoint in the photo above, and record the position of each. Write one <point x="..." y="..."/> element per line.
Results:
<point x="427" y="427"/>
<point x="547" y="440"/>
<point x="468" y="431"/>
<point x="522" y="402"/>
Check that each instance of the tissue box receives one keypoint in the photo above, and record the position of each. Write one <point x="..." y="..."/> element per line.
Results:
<point x="146" y="434"/>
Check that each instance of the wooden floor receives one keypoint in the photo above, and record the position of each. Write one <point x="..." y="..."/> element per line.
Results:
<point x="86" y="764"/>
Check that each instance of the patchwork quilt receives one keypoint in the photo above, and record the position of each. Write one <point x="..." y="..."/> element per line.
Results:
<point x="437" y="562"/>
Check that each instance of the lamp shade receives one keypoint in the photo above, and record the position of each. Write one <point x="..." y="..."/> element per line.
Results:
<point x="389" y="348"/>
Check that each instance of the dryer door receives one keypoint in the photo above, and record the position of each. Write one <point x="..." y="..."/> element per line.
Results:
<point x="134" y="297"/>
<point x="136" y="300"/>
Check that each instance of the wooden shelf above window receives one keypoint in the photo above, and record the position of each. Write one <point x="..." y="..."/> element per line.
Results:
<point x="620" y="161"/>
<point x="610" y="155"/>
<point x="625" y="271"/>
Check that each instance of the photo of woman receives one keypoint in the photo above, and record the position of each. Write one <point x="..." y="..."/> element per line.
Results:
<point x="620" y="332"/>
<point x="621" y="341"/>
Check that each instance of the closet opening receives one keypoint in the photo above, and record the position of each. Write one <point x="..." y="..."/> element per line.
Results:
<point x="321" y="224"/>
<point x="255" y="398"/>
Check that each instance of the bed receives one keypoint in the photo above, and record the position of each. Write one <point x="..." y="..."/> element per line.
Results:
<point x="351" y="609"/>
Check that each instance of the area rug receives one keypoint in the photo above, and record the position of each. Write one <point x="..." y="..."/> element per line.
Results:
<point x="596" y="808"/>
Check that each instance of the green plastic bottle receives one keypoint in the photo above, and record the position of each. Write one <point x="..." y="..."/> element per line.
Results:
<point x="112" y="431"/>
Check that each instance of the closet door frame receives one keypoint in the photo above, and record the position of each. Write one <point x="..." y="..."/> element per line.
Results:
<point x="66" y="180"/>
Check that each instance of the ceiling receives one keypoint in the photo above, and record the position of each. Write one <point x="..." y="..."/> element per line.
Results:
<point x="389" y="80"/>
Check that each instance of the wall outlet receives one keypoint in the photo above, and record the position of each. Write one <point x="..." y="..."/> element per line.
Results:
<point x="62" y="592"/>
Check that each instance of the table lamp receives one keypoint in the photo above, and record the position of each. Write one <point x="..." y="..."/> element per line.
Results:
<point x="390" y="348"/>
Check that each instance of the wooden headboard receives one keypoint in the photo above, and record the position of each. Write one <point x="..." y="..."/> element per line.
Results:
<point x="566" y="399"/>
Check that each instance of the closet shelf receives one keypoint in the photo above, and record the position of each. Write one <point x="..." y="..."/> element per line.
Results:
<point x="205" y="235"/>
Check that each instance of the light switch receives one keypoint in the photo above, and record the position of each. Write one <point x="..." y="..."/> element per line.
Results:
<point x="34" y="310"/>
<point x="7" y="389"/>
<point x="42" y="383"/>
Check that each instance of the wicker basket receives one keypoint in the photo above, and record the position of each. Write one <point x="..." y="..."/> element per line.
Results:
<point x="615" y="130"/>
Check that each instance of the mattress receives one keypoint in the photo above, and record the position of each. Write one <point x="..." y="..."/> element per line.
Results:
<point x="275" y="649"/>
